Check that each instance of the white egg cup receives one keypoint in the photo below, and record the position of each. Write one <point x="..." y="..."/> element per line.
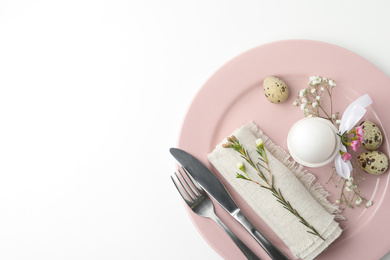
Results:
<point x="313" y="142"/>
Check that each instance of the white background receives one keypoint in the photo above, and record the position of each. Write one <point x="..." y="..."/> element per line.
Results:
<point x="92" y="96"/>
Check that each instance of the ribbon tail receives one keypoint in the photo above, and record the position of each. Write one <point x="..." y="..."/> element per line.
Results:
<point x="343" y="168"/>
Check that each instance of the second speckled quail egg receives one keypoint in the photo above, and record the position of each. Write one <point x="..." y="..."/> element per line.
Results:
<point x="373" y="162"/>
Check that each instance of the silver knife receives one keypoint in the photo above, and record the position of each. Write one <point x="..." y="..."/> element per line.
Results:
<point x="217" y="191"/>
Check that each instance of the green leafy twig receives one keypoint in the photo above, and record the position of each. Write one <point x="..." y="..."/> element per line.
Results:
<point x="268" y="182"/>
<point x="310" y="99"/>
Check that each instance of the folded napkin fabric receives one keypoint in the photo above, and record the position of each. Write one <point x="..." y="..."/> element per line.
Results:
<point x="297" y="186"/>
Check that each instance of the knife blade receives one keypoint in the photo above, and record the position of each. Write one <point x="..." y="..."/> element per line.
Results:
<point x="218" y="192"/>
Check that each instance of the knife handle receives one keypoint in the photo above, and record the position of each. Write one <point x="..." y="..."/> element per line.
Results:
<point x="244" y="249"/>
<point x="267" y="245"/>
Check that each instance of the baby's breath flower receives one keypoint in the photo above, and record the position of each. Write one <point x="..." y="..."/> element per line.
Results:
<point x="369" y="204"/>
<point x="358" y="201"/>
<point x="348" y="183"/>
<point x="351" y="179"/>
<point x="334" y="116"/>
<point x="324" y="79"/>
<point x="322" y="89"/>
<point x="303" y="106"/>
<point x="314" y="80"/>
<point x="332" y="83"/>
<point x="314" y="105"/>
<point x="295" y="103"/>
<point x="304" y="100"/>
<point x="318" y="98"/>
<point x="338" y="201"/>
<point x="338" y="121"/>
<point x="348" y="188"/>
<point x="313" y="91"/>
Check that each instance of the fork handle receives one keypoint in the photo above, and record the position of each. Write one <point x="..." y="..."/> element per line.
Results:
<point x="244" y="249"/>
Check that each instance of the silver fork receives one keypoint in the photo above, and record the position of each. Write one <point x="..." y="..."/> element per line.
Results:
<point x="200" y="203"/>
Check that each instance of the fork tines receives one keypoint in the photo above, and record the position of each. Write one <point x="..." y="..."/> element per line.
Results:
<point x="190" y="189"/>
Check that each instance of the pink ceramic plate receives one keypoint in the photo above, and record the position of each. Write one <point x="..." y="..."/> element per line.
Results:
<point x="233" y="96"/>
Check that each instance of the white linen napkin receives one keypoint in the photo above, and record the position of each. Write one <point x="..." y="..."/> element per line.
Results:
<point x="297" y="187"/>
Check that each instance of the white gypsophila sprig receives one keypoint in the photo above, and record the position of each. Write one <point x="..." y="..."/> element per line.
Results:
<point x="350" y="195"/>
<point x="310" y="99"/>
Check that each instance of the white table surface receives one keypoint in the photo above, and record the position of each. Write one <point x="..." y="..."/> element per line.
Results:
<point x="92" y="96"/>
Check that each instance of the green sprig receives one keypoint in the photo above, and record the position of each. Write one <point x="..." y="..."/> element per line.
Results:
<point x="267" y="182"/>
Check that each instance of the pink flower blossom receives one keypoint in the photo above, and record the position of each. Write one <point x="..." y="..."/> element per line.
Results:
<point x="360" y="139"/>
<point x="355" y="144"/>
<point x="346" y="157"/>
<point x="360" y="131"/>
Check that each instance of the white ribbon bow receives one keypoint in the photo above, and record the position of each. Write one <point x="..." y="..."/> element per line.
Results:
<point x="354" y="112"/>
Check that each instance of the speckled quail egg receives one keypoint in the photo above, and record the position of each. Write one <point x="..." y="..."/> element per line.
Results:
<point x="372" y="135"/>
<point x="275" y="89"/>
<point x="373" y="162"/>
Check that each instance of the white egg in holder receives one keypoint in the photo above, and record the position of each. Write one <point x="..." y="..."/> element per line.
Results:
<point x="313" y="142"/>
